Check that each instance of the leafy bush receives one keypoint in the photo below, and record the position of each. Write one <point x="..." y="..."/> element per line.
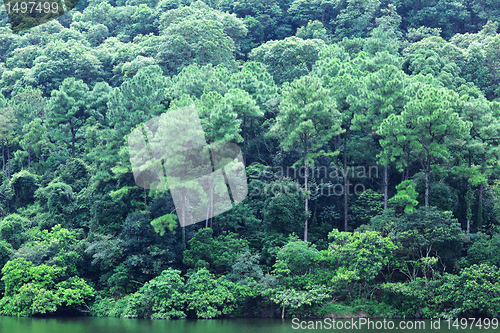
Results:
<point x="160" y="298"/>
<point x="218" y="255"/>
<point x="31" y="289"/>
<point x="208" y="296"/>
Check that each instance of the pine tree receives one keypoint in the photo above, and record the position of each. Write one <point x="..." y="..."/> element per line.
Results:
<point x="67" y="112"/>
<point x="426" y="126"/>
<point x="308" y="117"/>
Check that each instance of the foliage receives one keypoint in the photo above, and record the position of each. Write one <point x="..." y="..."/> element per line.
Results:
<point x="410" y="88"/>
<point x="209" y="297"/>
<point x="474" y="292"/>
<point x="406" y="196"/>
<point x="288" y="59"/>
<point x="160" y="298"/>
<point x="359" y="256"/>
<point x="484" y="250"/>
<point x="31" y="289"/>
<point x="12" y="228"/>
<point x="164" y="222"/>
<point x="295" y="258"/>
<point x="217" y="254"/>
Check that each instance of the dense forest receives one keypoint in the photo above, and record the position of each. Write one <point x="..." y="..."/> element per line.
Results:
<point x="389" y="110"/>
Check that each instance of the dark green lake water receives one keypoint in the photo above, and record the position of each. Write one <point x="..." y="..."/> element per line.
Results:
<point x="115" y="325"/>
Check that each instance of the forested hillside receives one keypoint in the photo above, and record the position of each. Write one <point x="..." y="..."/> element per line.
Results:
<point x="388" y="110"/>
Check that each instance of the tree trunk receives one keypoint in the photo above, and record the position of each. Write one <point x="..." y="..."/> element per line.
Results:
<point x="306" y="167"/>
<point x="183" y="227"/>
<point x="8" y="161"/>
<point x="210" y="195"/>
<point x="481" y="190"/>
<point x="307" y="202"/>
<point x="73" y="140"/>
<point x="208" y="214"/>
<point x="337" y="144"/>
<point x="208" y="205"/>
<point x="427" y="169"/>
<point x="283" y="312"/>
<point x="468" y="213"/>
<point x="3" y="158"/>
<point x="244" y="140"/>
<point x="211" y="207"/>
<point x="404" y="169"/>
<point x="480" y="208"/>
<point x="468" y="198"/>
<point x="426" y="187"/>
<point x="183" y="237"/>
<point x="345" y="185"/>
<point x="407" y="164"/>
<point x="386" y="185"/>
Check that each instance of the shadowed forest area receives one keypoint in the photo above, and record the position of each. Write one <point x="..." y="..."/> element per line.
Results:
<point x="388" y="110"/>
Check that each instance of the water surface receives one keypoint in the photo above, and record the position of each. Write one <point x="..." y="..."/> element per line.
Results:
<point x="116" y="325"/>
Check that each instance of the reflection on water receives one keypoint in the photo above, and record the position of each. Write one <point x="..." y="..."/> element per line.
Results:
<point x="116" y="325"/>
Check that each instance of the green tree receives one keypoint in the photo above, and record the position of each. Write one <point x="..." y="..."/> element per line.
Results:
<point x="57" y="246"/>
<point x="368" y="204"/>
<point x="473" y="292"/>
<point x="283" y="210"/>
<point x="296" y="258"/>
<point x="247" y="110"/>
<point x="296" y="298"/>
<point x="219" y="119"/>
<point x="195" y="80"/>
<point x="382" y="93"/>
<point x="313" y="30"/>
<point x="24" y="185"/>
<point x="12" y="228"/>
<point x="198" y="34"/>
<point x="482" y="142"/>
<point x="246" y="267"/>
<point x="485" y="250"/>
<point x="209" y="297"/>
<point x="217" y="254"/>
<point x="34" y="138"/>
<point x="31" y="290"/>
<point x="59" y="200"/>
<point x="357" y="19"/>
<point x="263" y="19"/>
<point x="288" y="59"/>
<point x="426" y="233"/>
<point x="160" y="298"/>
<point x="138" y="99"/>
<point x="357" y="258"/>
<point x="67" y="112"/>
<point x="62" y="59"/>
<point x="98" y="100"/>
<point x="427" y="124"/>
<point x="27" y="105"/>
<point x="308" y="117"/>
<point x="406" y="196"/>
<point x="303" y="11"/>
<point x="342" y="76"/>
<point x="8" y="121"/>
